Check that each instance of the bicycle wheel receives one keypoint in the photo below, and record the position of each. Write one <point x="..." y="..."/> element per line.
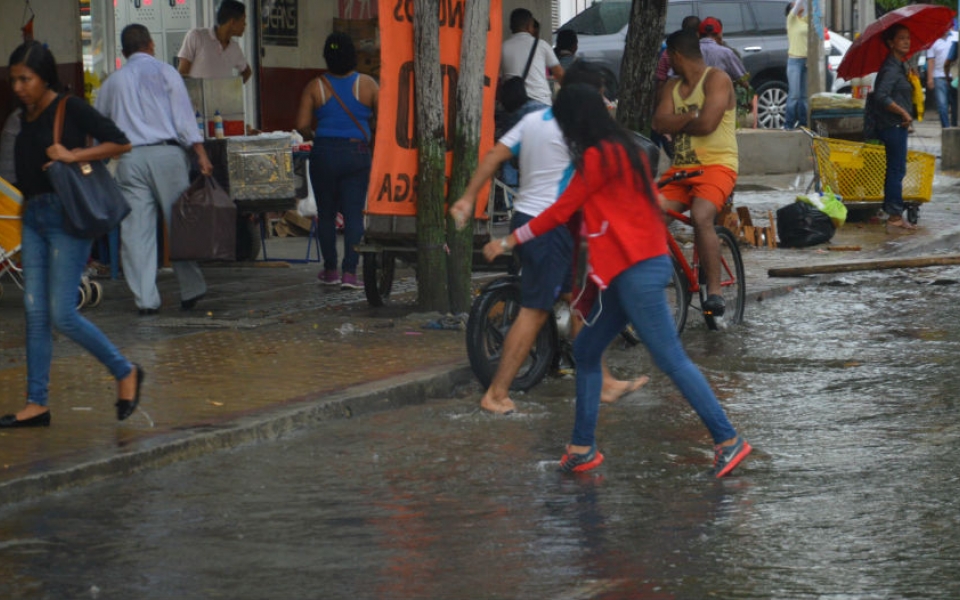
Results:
<point x="492" y="314"/>
<point x="678" y="300"/>
<point x="732" y="280"/>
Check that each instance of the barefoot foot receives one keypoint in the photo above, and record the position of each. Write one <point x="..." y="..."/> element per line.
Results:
<point x="613" y="392"/>
<point x="504" y="406"/>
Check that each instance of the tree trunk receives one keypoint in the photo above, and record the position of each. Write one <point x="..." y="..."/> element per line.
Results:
<point x="638" y="90"/>
<point x="428" y="94"/>
<point x="466" y="142"/>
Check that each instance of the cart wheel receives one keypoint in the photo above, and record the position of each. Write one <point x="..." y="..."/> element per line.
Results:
<point x="96" y="294"/>
<point x="82" y="295"/>
<point x="913" y="213"/>
<point x="378" y="269"/>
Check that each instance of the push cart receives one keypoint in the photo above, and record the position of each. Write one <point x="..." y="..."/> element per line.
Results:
<point x="257" y="173"/>
<point x="392" y="238"/>
<point x="855" y="172"/>
<point x="10" y="233"/>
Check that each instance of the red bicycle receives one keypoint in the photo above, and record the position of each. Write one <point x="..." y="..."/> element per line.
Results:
<point x="689" y="280"/>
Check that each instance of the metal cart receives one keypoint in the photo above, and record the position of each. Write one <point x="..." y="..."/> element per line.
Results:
<point x="392" y="238"/>
<point x="257" y="173"/>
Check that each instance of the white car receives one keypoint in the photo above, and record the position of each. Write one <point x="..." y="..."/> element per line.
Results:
<point x="838" y="47"/>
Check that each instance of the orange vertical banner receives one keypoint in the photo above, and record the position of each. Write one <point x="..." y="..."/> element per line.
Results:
<point x="393" y="178"/>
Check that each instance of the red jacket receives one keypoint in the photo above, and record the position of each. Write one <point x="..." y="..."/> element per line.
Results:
<point x="624" y="226"/>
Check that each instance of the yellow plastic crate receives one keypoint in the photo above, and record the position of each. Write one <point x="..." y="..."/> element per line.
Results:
<point x="856" y="171"/>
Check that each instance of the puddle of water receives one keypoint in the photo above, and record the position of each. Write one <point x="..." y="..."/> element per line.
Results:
<point x="846" y="390"/>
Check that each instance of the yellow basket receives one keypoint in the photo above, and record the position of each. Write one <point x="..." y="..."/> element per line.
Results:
<point x="856" y="171"/>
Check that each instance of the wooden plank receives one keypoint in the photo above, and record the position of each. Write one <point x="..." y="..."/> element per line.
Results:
<point x="868" y="265"/>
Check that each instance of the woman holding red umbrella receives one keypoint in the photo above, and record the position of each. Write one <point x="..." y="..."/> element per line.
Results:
<point x="892" y="99"/>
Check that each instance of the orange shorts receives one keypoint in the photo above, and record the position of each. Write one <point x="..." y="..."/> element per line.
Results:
<point x="715" y="184"/>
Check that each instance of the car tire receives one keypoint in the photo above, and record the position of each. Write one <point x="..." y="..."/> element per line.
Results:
<point x="771" y="104"/>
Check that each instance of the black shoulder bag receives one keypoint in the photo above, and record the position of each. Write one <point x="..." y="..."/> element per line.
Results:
<point x="513" y="91"/>
<point x="92" y="201"/>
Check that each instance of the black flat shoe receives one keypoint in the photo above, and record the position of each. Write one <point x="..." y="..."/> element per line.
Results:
<point x="125" y="408"/>
<point x="41" y="420"/>
<point x="189" y="304"/>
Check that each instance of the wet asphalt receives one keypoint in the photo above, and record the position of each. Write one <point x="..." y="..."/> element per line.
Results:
<point x="433" y="499"/>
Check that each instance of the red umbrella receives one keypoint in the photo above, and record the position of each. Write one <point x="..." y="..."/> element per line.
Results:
<point x="926" y="22"/>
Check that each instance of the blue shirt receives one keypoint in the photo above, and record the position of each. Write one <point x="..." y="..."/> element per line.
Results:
<point x="333" y="121"/>
<point x="148" y="101"/>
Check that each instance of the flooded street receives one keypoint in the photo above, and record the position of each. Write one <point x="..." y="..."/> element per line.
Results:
<point x="847" y="391"/>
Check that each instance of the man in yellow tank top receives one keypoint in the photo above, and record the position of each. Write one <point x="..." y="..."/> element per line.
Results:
<point x="698" y="109"/>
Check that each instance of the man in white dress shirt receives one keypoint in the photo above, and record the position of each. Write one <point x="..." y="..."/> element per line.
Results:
<point x="148" y="101"/>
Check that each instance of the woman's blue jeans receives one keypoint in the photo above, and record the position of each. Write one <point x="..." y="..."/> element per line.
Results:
<point x="637" y="296"/>
<point x="339" y="173"/>
<point x="895" y="142"/>
<point x="796" y="113"/>
<point x="53" y="263"/>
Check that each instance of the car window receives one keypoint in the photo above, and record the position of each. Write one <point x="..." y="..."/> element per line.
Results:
<point x="676" y="13"/>
<point x="730" y="14"/>
<point x="769" y="16"/>
<point x="601" y="18"/>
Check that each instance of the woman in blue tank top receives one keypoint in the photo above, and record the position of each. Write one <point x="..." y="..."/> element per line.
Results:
<point x="338" y="109"/>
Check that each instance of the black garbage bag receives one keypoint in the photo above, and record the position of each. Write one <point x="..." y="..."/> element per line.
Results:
<point x="800" y="225"/>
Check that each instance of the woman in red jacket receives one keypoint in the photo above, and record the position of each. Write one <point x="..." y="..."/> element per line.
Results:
<point x="630" y="263"/>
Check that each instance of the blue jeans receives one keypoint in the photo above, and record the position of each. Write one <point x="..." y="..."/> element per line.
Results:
<point x="637" y="296"/>
<point x="796" y="113"/>
<point x="895" y="142"/>
<point x="941" y="87"/>
<point x="53" y="263"/>
<point x="339" y="172"/>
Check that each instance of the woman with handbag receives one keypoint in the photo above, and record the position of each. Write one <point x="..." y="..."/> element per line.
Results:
<point x="343" y="105"/>
<point x="53" y="257"/>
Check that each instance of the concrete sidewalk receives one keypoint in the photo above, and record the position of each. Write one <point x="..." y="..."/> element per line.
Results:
<point x="270" y="350"/>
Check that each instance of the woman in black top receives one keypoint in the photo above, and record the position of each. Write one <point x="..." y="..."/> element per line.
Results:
<point x="891" y="105"/>
<point x="53" y="259"/>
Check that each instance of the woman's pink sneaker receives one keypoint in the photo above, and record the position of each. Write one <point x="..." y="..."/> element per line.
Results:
<point x="329" y="277"/>
<point x="349" y="282"/>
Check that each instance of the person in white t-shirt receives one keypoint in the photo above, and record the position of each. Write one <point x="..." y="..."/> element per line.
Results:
<point x="938" y="76"/>
<point x="212" y="53"/>
<point x="546" y="270"/>
<point x="516" y="52"/>
<point x="513" y="59"/>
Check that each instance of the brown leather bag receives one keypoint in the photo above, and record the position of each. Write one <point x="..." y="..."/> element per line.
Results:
<point x="203" y="223"/>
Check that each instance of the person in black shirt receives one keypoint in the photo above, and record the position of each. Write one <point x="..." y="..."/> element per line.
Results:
<point x="54" y="259"/>
<point x="892" y="99"/>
